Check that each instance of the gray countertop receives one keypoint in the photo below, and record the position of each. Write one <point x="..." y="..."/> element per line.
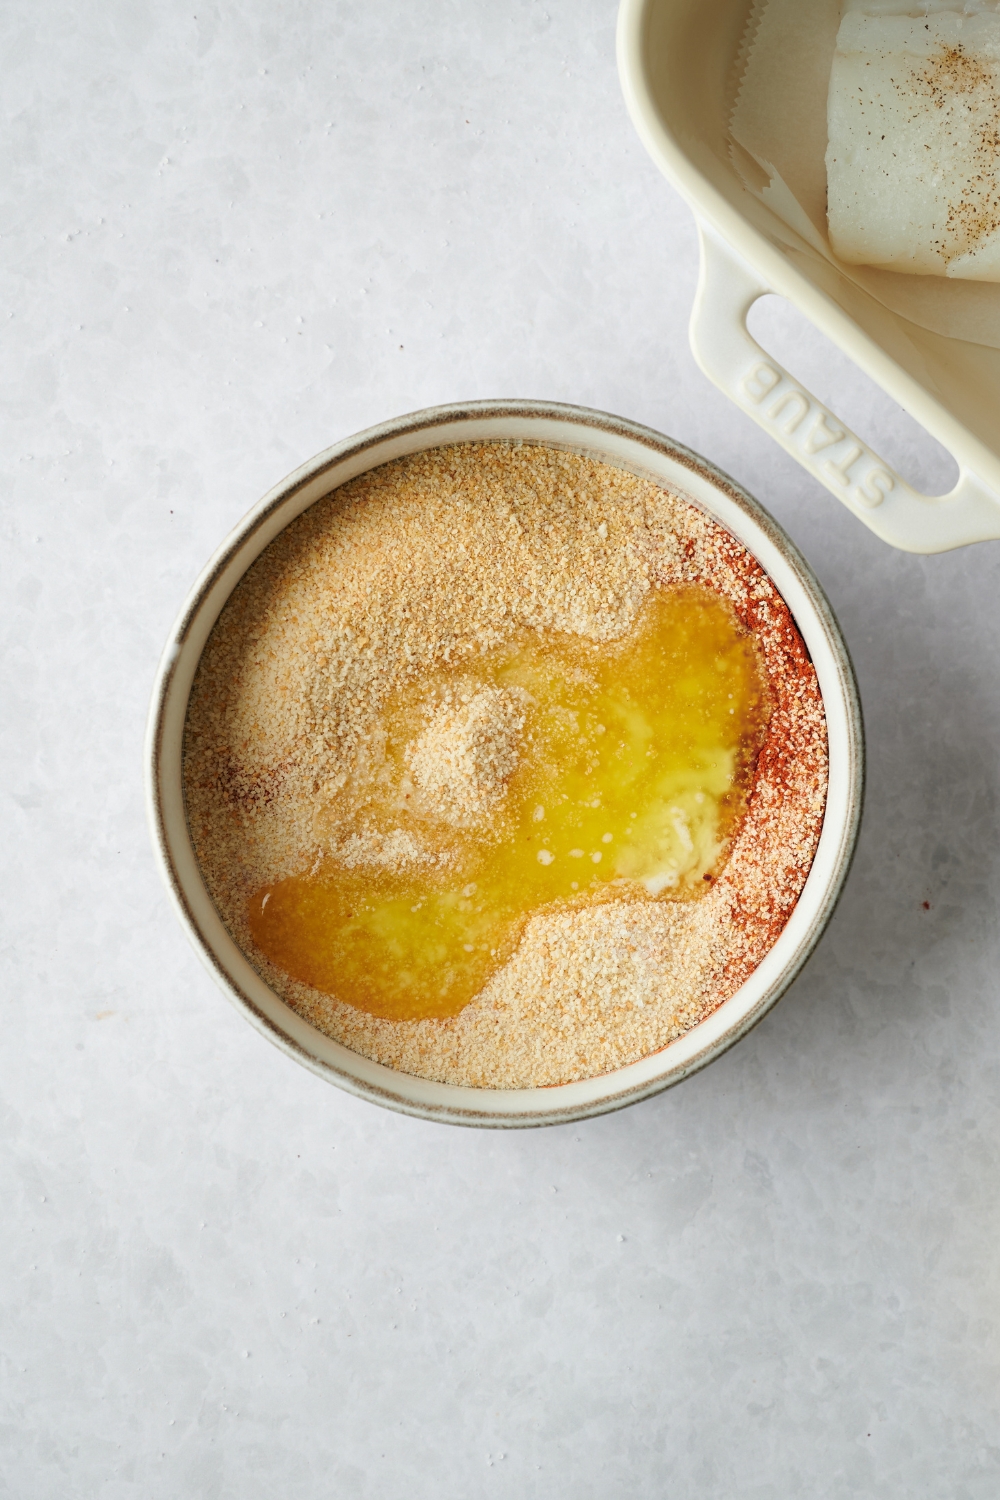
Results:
<point x="231" y="236"/>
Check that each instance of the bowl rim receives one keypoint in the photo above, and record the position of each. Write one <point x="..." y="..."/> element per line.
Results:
<point x="624" y="444"/>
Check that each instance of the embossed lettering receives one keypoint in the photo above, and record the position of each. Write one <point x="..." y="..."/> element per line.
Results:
<point x="799" y="407"/>
<point x="761" y="380"/>
<point x="821" y="435"/>
<point x="841" y="467"/>
<point x="878" y="483"/>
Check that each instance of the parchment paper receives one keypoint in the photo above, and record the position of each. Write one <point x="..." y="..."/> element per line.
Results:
<point x="782" y="79"/>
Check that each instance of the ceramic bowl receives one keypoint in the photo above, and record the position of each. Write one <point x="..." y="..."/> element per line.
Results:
<point x="675" y="60"/>
<point x="613" y="441"/>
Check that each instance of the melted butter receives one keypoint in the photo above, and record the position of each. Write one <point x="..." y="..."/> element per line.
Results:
<point x="633" y="763"/>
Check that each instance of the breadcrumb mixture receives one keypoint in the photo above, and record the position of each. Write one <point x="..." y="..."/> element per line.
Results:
<point x="432" y="560"/>
<point x="467" y="754"/>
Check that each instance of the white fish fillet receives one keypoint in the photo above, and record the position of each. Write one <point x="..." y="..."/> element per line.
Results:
<point x="913" y="162"/>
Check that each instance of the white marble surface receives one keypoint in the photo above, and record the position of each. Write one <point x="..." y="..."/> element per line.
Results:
<point x="231" y="235"/>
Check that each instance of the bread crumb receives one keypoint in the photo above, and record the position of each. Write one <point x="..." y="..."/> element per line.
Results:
<point x="430" y="561"/>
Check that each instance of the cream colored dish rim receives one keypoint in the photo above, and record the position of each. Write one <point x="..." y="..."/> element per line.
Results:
<point x="738" y="266"/>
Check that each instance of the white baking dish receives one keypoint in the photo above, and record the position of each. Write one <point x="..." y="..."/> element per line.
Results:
<point x="627" y="446"/>
<point x="675" y="60"/>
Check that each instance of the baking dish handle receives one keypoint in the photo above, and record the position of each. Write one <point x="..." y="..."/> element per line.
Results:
<point x="826" y="447"/>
